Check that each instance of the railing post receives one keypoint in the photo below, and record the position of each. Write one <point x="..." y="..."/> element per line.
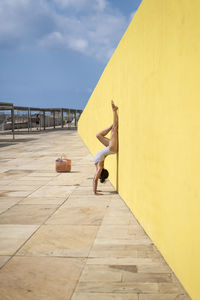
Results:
<point x="28" y="119"/>
<point x="44" y="118"/>
<point x="54" y="123"/>
<point x="61" y="117"/>
<point x="40" y="119"/>
<point x="13" y="121"/>
<point x="69" y="115"/>
<point x="75" y="118"/>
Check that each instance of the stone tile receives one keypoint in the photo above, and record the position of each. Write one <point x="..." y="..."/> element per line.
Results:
<point x="6" y="203"/>
<point x="104" y="296"/>
<point x="78" y="215"/>
<point x="116" y="287"/>
<point x="123" y="249"/>
<point x="146" y="277"/>
<point x="3" y="260"/>
<point x="12" y="237"/>
<point x="120" y="216"/>
<point x="36" y="178"/>
<point x="169" y="288"/>
<point x="92" y="196"/>
<point x="27" y="214"/>
<point x="107" y="192"/>
<point x="28" y="278"/>
<point x="137" y="240"/>
<point x="107" y="189"/>
<point x="103" y="273"/>
<point x="34" y="183"/>
<point x="177" y="282"/>
<point x="154" y="268"/>
<point x="69" y="182"/>
<point x="86" y="191"/>
<point x="88" y="181"/>
<point x="85" y="201"/>
<point x="83" y="168"/>
<point x="117" y="204"/>
<point x="61" y="240"/>
<point x="122" y="261"/>
<point x="119" y="231"/>
<point x="14" y="174"/>
<point x="68" y="179"/>
<point x="43" y="174"/>
<point x="5" y="182"/>
<point x="70" y="175"/>
<point x="43" y="200"/>
<point x="159" y="296"/>
<point x="84" y="188"/>
<point x="18" y="188"/>
<point x="53" y="191"/>
<point x="112" y="251"/>
<point x="14" y="193"/>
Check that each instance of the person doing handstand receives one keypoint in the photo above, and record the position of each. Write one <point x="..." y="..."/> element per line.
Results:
<point x="111" y="148"/>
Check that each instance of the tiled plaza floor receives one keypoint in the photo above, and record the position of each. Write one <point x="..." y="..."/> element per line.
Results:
<point x="58" y="241"/>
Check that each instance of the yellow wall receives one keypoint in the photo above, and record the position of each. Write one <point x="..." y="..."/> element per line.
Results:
<point x="153" y="77"/>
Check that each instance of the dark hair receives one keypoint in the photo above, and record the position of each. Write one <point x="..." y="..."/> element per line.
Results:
<point x="104" y="175"/>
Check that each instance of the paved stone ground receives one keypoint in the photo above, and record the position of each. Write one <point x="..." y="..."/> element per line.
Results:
<point x="58" y="241"/>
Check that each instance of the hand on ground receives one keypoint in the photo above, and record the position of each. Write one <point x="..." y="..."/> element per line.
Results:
<point x="98" y="194"/>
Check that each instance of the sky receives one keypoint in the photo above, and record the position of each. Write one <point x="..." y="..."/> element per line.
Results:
<point x="53" y="52"/>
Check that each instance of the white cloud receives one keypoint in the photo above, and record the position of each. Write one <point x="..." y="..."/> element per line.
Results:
<point x="78" y="4"/>
<point x="22" y="20"/>
<point x="132" y="15"/>
<point x="96" y="32"/>
<point x="99" y="5"/>
<point x="90" y="90"/>
<point x="51" y="39"/>
<point x="78" y="44"/>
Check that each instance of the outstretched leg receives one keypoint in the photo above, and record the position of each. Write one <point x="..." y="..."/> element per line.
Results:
<point x="101" y="136"/>
<point x="113" y="143"/>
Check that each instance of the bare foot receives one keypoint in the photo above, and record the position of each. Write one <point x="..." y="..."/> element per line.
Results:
<point x="114" y="107"/>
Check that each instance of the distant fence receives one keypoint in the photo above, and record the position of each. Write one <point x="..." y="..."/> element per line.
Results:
<point x="15" y="119"/>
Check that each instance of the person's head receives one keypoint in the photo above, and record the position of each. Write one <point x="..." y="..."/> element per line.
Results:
<point x="104" y="175"/>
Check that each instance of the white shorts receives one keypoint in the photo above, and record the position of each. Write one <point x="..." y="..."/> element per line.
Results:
<point x="101" y="155"/>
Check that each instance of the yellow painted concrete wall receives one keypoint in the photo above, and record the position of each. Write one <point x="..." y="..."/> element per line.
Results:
<point x="153" y="77"/>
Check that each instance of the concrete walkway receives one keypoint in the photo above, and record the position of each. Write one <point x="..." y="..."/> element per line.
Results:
<point x="58" y="241"/>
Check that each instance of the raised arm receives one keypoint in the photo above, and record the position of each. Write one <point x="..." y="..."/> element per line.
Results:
<point x="96" y="177"/>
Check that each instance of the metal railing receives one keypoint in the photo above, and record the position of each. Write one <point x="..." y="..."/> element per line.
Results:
<point x="15" y="119"/>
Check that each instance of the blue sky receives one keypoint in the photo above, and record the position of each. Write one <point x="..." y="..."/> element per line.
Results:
<point x="53" y="52"/>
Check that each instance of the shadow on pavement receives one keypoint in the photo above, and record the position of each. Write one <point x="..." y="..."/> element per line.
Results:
<point x="11" y="142"/>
